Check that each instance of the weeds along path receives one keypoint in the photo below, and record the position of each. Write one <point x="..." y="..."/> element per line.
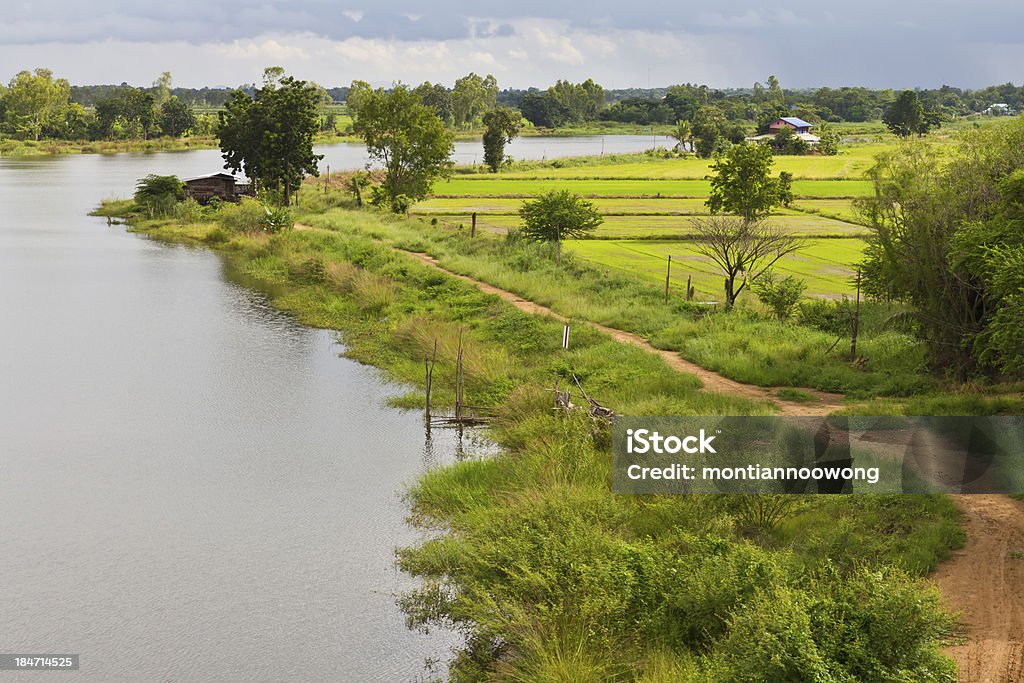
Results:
<point x="824" y="403"/>
<point x="985" y="582"/>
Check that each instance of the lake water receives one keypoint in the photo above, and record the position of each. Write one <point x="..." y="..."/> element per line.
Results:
<point x="192" y="485"/>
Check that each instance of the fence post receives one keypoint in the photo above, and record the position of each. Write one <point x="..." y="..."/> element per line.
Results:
<point x="668" y="274"/>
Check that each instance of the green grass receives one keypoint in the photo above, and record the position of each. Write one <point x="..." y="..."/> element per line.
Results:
<point x="510" y="185"/>
<point x="652" y="226"/>
<point x="824" y="264"/>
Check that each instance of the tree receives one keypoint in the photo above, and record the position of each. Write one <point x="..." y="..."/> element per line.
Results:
<point x="438" y="98"/>
<point x="557" y="215"/>
<point x="742" y="185"/>
<point x="541" y="109"/>
<point x="830" y="139"/>
<point x="35" y="99"/>
<point x="906" y="116"/>
<point x="683" y="134"/>
<point x="742" y="249"/>
<point x="269" y="136"/>
<point x="162" y="88"/>
<point x="357" y="93"/>
<point x="502" y="127"/>
<point x="408" y="139"/>
<point x="708" y="130"/>
<point x="176" y="117"/>
<point x="947" y="237"/>
<point x="471" y="97"/>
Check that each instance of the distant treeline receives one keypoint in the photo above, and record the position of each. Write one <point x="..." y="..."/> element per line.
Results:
<point x="667" y="104"/>
<point x="37" y="105"/>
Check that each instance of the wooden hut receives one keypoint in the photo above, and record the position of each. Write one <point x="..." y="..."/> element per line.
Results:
<point x="224" y="186"/>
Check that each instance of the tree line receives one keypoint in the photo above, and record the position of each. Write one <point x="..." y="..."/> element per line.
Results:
<point x="35" y="105"/>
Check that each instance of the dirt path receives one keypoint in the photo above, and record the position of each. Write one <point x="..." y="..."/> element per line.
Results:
<point x="985" y="581"/>
<point x="824" y="403"/>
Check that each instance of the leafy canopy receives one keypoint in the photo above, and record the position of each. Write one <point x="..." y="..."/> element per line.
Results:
<point x="407" y="138"/>
<point x="503" y="126"/>
<point x="270" y="136"/>
<point x="558" y="215"/>
<point x="742" y="185"/>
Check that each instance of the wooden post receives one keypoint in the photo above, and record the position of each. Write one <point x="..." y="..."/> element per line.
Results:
<point x="689" y="289"/>
<point x="668" y="274"/>
<point x="856" y="322"/>
<point x="429" y="368"/>
<point x="327" y="178"/>
<point x="565" y="337"/>
<point x="472" y="230"/>
<point x="458" y="382"/>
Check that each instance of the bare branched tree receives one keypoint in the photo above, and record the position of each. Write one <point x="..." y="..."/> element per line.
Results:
<point x="742" y="249"/>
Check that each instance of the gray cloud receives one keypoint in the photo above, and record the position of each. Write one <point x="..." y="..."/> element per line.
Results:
<point x="871" y="42"/>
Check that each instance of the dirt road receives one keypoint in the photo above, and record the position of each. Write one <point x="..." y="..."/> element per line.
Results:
<point x="985" y="581"/>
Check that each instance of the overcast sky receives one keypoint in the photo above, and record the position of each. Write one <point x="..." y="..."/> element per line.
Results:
<point x="877" y="43"/>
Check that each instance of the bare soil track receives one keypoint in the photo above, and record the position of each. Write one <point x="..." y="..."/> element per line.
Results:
<point x="985" y="582"/>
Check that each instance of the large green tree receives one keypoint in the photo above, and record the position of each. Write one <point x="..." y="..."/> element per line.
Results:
<point x="408" y="139"/>
<point x="742" y="183"/>
<point x="176" y="117"/>
<point x="906" y="116"/>
<point x="471" y="97"/>
<point x="501" y="127"/>
<point x="33" y="100"/>
<point x="947" y="237"/>
<point x="269" y="136"/>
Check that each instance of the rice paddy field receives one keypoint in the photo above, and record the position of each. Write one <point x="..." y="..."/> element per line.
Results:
<point x="650" y="203"/>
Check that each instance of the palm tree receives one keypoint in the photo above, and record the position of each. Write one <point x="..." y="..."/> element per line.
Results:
<point x="683" y="132"/>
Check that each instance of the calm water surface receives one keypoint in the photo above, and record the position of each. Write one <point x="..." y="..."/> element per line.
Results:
<point x="192" y="485"/>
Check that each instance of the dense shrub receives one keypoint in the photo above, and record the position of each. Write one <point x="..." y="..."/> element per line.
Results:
<point x="251" y="216"/>
<point x="780" y="296"/>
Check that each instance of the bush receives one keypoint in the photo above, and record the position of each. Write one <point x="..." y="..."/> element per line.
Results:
<point x="159" y="194"/>
<point x="250" y="216"/>
<point x="832" y="317"/>
<point x="188" y="211"/>
<point x="781" y="296"/>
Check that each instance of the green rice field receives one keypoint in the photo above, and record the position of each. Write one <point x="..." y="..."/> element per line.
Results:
<point x="824" y="264"/>
<point x="649" y="206"/>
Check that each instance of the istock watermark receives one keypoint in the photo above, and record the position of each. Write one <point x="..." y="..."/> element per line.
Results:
<point x="818" y="455"/>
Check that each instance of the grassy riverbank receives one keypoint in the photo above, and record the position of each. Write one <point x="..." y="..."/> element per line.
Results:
<point x="550" y="575"/>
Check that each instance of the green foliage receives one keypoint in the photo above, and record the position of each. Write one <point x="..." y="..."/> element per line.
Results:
<point x="269" y="136"/>
<point x="176" y="117"/>
<point x="946" y="238"/>
<point x="907" y="116"/>
<point x="251" y="216"/>
<point x="502" y="126"/>
<point x="159" y="194"/>
<point x="471" y="97"/>
<point x="558" y="215"/>
<point x="708" y="128"/>
<point x="741" y="182"/>
<point x="830" y="140"/>
<point x="407" y="138"/>
<point x="34" y="100"/>
<point x="780" y="296"/>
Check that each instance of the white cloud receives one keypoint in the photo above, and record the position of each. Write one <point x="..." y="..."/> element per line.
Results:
<point x="354" y="14"/>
